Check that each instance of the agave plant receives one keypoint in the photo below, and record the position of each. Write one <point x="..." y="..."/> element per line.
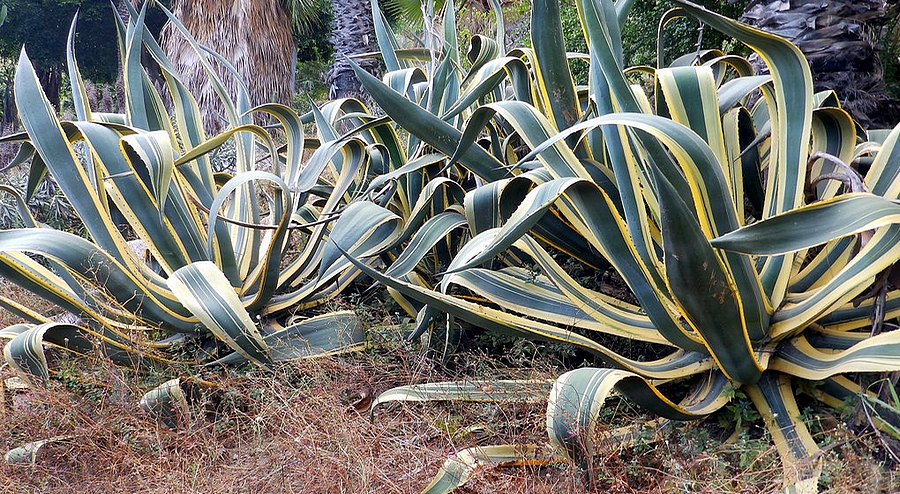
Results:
<point x="229" y="261"/>
<point x="741" y="226"/>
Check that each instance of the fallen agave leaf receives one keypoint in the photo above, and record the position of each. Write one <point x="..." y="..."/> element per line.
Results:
<point x="16" y="383"/>
<point x="167" y="404"/>
<point x="27" y="453"/>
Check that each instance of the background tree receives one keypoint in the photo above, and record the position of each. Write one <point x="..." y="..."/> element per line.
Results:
<point x="42" y="26"/>
<point x="836" y="37"/>
<point x="253" y="35"/>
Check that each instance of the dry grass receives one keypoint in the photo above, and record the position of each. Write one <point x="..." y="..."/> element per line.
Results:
<point x="18" y="294"/>
<point x="296" y="431"/>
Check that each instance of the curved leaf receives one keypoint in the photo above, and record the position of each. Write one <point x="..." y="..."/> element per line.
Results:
<point x="25" y="353"/>
<point x="797" y="357"/>
<point x="207" y="293"/>
<point x="137" y="291"/>
<point x="578" y="395"/>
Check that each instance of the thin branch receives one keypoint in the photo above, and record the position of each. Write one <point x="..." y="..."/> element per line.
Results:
<point x="878" y="433"/>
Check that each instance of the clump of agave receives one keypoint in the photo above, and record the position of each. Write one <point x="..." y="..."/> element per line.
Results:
<point x="176" y="255"/>
<point x="750" y="230"/>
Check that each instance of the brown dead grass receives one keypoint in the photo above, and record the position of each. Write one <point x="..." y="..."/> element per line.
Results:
<point x="294" y="431"/>
<point x="297" y="431"/>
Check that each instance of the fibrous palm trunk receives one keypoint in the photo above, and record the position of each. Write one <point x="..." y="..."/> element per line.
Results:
<point x="352" y="33"/>
<point x="253" y="35"/>
<point x="834" y="36"/>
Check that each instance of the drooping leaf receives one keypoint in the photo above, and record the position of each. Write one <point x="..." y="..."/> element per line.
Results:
<point x="207" y="293"/>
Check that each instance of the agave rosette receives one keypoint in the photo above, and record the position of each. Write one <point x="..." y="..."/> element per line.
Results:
<point x="739" y="224"/>
<point x="231" y="258"/>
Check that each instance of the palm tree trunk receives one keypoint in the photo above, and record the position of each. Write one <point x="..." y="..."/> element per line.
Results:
<point x="834" y="37"/>
<point x="253" y="35"/>
<point x="352" y="33"/>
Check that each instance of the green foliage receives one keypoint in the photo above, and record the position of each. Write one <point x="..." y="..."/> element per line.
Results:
<point x="41" y="26"/>
<point x="308" y="17"/>
<point x="886" y="39"/>
<point x="408" y="15"/>
<point x="48" y="205"/>
<point x="311" y="28"/>
<point x="881" y="405"/>
<point x="738" y="413"/>
<point x="309" y="86"/>
<point x="473" y="20"/>
<point x="680" y="36"/>
<point x="575" y="42"/>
